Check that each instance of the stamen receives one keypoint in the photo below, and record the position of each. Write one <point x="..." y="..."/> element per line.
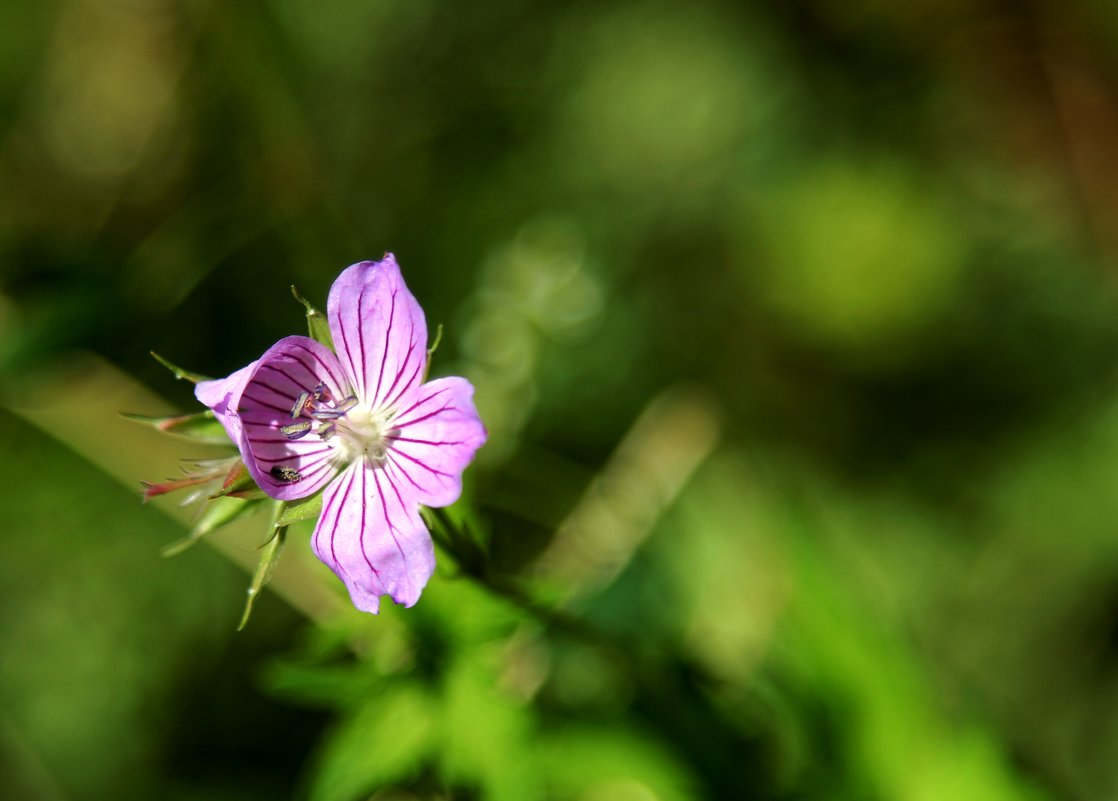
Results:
<point x="326" y="414"/>
<point x="321" y="391"/>
<point x="335" y="412"/>
<point x="296" y="430"/>
<point x="346" y="405"/>
<point x="301" y="404"/>
<point x="359" y="432"/>
<point x="285" y="473"/>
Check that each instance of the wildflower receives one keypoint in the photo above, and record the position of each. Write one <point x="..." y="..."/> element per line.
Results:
<point x="360" y="425"/>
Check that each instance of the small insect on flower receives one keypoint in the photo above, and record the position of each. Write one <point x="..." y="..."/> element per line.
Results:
<point x="284" y="473"/>
<point x="361" y="427"/>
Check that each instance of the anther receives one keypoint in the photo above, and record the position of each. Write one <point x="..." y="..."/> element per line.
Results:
<point x="296" y="430"/>
<point x="300" y="404"/>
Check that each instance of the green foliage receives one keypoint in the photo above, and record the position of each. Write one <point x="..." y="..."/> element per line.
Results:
<point x="867" y="276"/>
<point x="613" y="762"/>
<point x="487" y="736"/>
<point x="379" y="742"/>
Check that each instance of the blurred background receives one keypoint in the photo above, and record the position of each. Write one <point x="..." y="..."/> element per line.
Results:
<point x="794" y="326"/>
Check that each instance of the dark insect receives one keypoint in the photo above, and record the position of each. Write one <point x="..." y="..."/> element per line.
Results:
<point x="283" y="473"/>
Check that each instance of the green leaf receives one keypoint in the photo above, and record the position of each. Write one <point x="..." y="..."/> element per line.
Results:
<point x="317" y="324"/>
<point x="486" y="735"/>
<point x="269" y="555"/>
<point x="609" y="758"/>
<point x="382" y="741"/>
<point x="302" y="509"/>
<point x="200" y="427"/>
<point x="324" y="686"/>
<point x="181" y="374"/>
<point x="217" y="513"/>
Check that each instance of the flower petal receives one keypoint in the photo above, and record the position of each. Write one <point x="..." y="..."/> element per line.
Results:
<point x="287" y="469"/>
<point x="221" y="396"/>
<point x="436" y="435"/>
<point x="379" y="330"/>
<point x="373" y="538"/>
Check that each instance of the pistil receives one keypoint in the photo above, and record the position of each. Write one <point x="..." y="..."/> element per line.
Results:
<point x="363" y="433"/>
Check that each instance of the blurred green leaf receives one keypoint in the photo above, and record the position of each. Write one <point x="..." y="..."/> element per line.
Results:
<point x="612" y="762"/>
<point x="381" y="742"/>
<point x="326" y="686"/>
<point x="487" y="733"/>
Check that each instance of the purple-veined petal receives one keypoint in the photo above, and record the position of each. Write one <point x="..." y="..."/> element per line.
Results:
<point x="435" y="435"/>
<point x="221" y="396"/>
<point x="371" y="535"/>
<point x="284" y="468"/>
<point x="379" y="330"/>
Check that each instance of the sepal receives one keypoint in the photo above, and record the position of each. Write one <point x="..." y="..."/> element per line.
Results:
<point x="239" y="484"/>
<point x="181" y="374"/>
<point x="317" y="325"/>
<point x="155" y="489"/>
<point x="431" y="351"/>
<point x="218" y="512"/>
<point x="201" y="427"/>
<point x="269" y="555"/>
<point x="302" y="509"/>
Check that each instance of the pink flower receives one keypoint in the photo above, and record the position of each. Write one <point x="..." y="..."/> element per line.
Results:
<point x="362" y="425"/>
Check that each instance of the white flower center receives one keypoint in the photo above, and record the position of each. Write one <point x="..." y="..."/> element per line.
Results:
<point x="363" y="433"/>
<point x="352" y="431"/>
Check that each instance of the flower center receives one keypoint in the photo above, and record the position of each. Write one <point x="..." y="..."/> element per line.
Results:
<point x="352" y="431"/>
<point x="362" y="433"/>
